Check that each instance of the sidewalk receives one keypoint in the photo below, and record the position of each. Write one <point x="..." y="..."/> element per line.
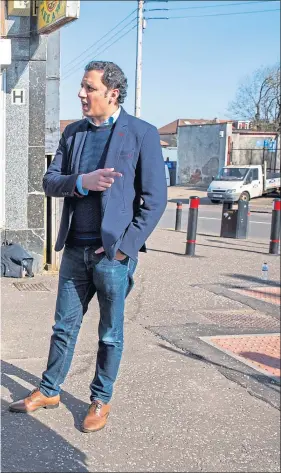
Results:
<point x="182" y="401"/>
<point x="182" y="193"/>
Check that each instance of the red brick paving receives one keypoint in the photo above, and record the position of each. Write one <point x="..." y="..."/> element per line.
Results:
<point x="262" y="351"/>
<point x="267" y="294"/>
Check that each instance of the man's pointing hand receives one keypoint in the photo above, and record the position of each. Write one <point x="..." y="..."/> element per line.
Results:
<point x="99" y="180"/>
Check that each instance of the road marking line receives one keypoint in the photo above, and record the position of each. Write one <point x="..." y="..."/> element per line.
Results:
<point x="251" y="221"/>
<point x="263" y="223"/>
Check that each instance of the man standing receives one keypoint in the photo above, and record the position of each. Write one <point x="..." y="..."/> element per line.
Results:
<point x="110" y="170"/>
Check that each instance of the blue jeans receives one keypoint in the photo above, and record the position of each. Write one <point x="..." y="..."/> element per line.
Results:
<point x="82" y="274"/>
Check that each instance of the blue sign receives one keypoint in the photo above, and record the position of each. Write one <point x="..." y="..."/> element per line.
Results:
<point x="272" y="146"/>
<point x="266" y="144"/>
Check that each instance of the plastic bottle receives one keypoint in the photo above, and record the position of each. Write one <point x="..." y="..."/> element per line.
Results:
<point x="264" y="272"/>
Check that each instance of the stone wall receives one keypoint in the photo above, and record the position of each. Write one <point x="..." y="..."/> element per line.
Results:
<point x="32" y="131"/>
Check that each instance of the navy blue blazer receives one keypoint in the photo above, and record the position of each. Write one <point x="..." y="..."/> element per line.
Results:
<point x="133" y="205"/>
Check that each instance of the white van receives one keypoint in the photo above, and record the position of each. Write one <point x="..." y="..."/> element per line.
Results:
<point x="235" y="183"/>
<point x="167" y="175"/>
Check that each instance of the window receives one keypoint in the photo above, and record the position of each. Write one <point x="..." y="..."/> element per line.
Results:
<point x="255" y="174"/>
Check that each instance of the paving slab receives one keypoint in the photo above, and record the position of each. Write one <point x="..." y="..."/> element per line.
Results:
<point x="260" y="351"/>
<point x="267" y="294"/>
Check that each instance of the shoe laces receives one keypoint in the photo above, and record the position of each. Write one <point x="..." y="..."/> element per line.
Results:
<point x="33" y="391"/>
<point x="97" y="405"/>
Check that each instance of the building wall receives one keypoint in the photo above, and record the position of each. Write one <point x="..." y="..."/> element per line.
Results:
<point x="52" y="110"/>
<point x="26" y="136"/>
<point x="250" y="148"/>
<point x="202" y="151"/>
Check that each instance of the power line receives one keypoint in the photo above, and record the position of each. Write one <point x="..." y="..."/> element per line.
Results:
<point x="74" y="67"/>
<point x="218" y="5"/>
<point x="109" y="46"/>
<point x="99" y="40"/>
<point x="214" y="14"/>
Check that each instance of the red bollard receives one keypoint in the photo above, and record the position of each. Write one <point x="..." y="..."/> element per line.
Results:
<point x="192" y="226"/>
<point x="275" y="228"/>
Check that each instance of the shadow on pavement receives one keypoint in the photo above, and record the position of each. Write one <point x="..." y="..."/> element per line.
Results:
<point x="208" y="246"/>
<point x="266" y="380"/>
<point x="234" y="249"/>
<point x="27" y="443"/>
<point x="254" y="279"/>
<point x="174" y="253"/>
<point x="266" y="360"/>
<point x="77" y="407"/>
<point x="240" y="242"/>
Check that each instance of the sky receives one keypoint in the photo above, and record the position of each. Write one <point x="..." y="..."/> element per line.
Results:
<point x="191" y="66"/>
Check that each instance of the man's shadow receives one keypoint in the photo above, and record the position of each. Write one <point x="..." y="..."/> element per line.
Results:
<point x="77" y="407"/>
<point x="28" y="444"/>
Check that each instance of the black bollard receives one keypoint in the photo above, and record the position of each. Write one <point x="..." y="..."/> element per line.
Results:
<point x="192" y="226"/>
<point x="178" y="216"/>
<point x="275" y="228"/>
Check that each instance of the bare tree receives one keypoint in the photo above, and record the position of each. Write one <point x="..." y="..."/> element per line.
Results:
<point x="258" y="99"/>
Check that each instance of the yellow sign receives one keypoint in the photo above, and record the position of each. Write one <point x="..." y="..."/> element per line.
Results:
<point x="54" y="14"/>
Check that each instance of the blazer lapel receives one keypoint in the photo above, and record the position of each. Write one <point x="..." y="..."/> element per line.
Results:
<point x="79" y="141"/>
<point x="115" y="148"/>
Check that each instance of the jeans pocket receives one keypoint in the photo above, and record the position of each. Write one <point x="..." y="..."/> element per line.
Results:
<point x="115" y="262"/>
<point x="123" y="262"/>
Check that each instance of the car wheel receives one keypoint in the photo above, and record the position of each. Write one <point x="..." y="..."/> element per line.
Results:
<point x="245" y="196"/>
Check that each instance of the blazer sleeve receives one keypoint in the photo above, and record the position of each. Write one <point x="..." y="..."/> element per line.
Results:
<point x="56" y="182"/>
<point x="153" y="190"/>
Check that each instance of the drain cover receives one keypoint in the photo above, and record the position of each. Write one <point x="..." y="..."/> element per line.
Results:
<point x="242" y="318"/>
<point x="22" y="286"/>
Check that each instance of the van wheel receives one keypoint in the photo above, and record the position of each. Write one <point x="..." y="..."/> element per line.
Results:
<point x="245" y="196"/>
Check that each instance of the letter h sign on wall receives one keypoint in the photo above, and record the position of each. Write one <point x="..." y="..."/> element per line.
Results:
<point x="18" y="96"/>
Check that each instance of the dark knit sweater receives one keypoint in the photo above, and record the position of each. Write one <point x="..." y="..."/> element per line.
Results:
<point x="86" y="220"/>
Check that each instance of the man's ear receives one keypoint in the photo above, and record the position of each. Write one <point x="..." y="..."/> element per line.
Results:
<point x="114" y="94"/>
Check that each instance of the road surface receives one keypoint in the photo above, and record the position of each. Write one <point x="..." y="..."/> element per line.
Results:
<point x="209" y="221"/>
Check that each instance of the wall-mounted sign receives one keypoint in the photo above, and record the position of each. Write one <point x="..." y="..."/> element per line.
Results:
<point x="54" y="14"/>
<point x="18" y="96"/>
<point x="18" y="7"/>
<point x="270" y="145"/>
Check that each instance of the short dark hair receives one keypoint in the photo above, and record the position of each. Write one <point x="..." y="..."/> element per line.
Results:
<point x="113" y="77"/>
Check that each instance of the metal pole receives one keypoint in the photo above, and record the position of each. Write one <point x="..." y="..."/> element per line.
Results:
<point x="192" y="226"/>
<point x="178" y="216"/>
<point x="264" y="174"/>
<point x="275" y="228"/>
<point x="139" y="59"/>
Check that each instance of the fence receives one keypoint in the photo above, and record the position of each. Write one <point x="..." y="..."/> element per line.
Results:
<point x="249" y="156"/>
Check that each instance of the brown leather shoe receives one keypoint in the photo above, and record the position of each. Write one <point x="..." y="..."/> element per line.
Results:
<point x="97" y="417"/>
<point x="35" y="400"/>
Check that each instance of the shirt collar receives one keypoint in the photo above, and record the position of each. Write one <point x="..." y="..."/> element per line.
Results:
<point x="110" y="121"/>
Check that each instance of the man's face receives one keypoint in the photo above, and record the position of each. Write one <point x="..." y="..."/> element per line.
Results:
<point x="96" y="99"/>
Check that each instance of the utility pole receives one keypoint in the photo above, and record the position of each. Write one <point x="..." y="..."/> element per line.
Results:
<point x="139" y="59"/>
